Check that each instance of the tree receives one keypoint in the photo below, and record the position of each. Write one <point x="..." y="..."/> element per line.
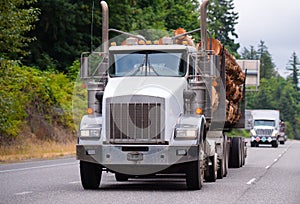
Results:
<point x="249" y="54"/>
<point x="294" y="67"/>
<point x="266" y="65"/>
<point x="64" y="29"/>
<point x="17" y="18"/>
<point x="182" y="13"/>
<point x="221" y="23"/>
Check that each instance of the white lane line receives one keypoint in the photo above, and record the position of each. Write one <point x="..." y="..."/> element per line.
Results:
<point x="275" y="160"/>
<point x="251" y="181"/>
<point x="24" y="193"/>
<point x="38" y="167"/>
<point x="267" y="167"/>
<point x="74" y="182"/>
<point x="279" y="155"/>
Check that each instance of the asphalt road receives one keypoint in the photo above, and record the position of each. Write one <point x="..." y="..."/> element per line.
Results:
<point x="271" y="175"/>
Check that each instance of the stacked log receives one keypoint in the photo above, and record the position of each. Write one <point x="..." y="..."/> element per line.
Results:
<point x="234" y="79"/>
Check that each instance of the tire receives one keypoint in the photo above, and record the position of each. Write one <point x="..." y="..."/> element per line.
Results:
<point x="275" y="144"/>
<point x="195" y="172"/>
<point x="121" y="177"/>
<point x="253" y="144"/>
<point x="222" y="162"/>
<point x="242" y="152"/>
<point x="227" y="151"/>
<point x="221" y="169"/>
<point x="90" y="174"/>
<point x="282" y="142"/>
<point x="235" y="153"/>
<point x="211" y="175"/>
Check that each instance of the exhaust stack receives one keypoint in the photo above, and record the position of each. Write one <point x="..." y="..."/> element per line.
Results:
<point x="203" y="14"/>
<point x="104" y="26"/>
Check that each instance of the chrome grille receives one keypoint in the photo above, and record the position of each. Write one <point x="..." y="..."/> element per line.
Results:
<point x="136" y="121"/>
<point x="267" y="132"/>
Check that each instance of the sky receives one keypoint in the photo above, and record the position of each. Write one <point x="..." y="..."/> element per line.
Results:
<point x="275" y="22"/>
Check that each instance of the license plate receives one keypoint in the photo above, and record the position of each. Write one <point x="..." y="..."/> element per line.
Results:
<point x="134" y="156"/>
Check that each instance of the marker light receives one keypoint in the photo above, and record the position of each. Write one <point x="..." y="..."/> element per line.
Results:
<point x="156" y="42"/>
<point x="141" y="42"/>
<point x="89" y="111"/>
<point x="199" y="111"/>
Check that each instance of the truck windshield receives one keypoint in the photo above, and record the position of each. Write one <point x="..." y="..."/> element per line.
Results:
<point x="147" y="63"/>
<point x="264" y="123"/>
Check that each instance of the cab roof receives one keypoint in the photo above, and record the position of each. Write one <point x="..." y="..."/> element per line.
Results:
<point x="152" y="47"/>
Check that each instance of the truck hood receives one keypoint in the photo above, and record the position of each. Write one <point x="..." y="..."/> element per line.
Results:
<point x="148" y="90"/>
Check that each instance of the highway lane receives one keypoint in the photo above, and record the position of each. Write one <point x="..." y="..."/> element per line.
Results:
<point x="270" y="175"/>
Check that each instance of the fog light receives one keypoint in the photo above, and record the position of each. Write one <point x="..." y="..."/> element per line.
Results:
<point x="91" y="152"/>
<point x="181" y="152"/>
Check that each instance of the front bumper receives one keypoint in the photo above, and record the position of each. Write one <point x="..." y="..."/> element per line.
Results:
<point x="137" y="160"/>
<point x="263" y="139"/>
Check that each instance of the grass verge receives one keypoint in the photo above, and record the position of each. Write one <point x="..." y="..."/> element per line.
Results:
<point x="32" y="149"/>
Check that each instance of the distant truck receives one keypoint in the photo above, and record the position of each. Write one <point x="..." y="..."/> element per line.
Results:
<point x="265" y="128"/>
<point x="282" y="132"/>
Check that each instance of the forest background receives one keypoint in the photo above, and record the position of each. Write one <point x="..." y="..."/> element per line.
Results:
<point x="40" y="46"/>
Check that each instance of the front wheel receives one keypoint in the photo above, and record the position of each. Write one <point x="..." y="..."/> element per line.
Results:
<point x="195" y="172"/>
<point x="275" y="144"/>
<point x="90" y="174"/>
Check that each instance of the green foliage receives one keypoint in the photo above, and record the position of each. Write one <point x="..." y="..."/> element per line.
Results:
<point x="294" y="67"/>
<point x="64" y="29"/>
<point x="275" y="92"/>
<point x="238" y="132"/>
<point x="267" y="67"/>
<point x="16" y="20"/>
<point x="221" y="23"/>
<point x="30" y="97"/>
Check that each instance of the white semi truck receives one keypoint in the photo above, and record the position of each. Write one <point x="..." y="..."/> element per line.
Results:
<point x="265" y="128"/>
<point x="159" y="108"/>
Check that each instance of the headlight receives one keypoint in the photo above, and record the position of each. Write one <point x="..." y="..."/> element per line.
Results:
<point x="186" y="134"/>
<point x="252" y="132"/>
<point x="90" y="133"/>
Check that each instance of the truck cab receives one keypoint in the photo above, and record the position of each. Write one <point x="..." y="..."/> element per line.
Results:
<point x="265" y="128"/>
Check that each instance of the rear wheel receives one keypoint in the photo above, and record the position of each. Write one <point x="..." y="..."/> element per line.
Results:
<point x="90" y="174"/>
<point x="282" y="142"/>
<point x="221" y="168"/>
<point x="235" y="153"/>
<point x="252" y="144"/>
<point x="211" y="175"/>
<point x="222" y="162"/>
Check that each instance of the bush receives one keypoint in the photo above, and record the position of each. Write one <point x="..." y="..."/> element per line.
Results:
<point x="40" y="100"/>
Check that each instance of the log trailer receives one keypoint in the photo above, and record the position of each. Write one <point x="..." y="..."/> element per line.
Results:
<point x="161" y="108"/>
